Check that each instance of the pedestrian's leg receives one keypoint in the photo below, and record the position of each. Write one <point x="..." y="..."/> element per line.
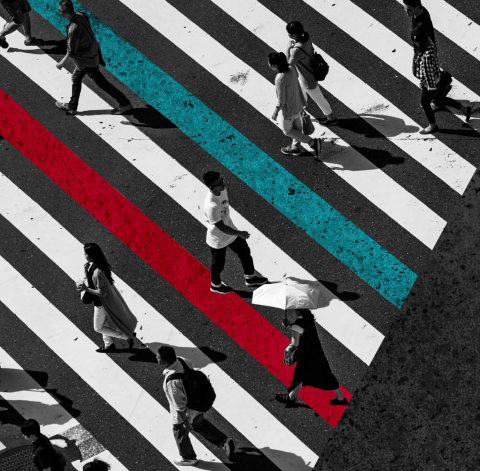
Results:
<point x="208" y="431"/>
<point x="317" y="96"/>
<point x="95" y="74"/>
<point x="9" y="29"/>
<point x="99" y="316"/>
<point x="185" y="448"/>
<point x="241" y="248"/>
<point x="296" y="385"/>
<point x="294" y="392"/>
<point x="77" y="78"/>
<point x="339" y="394"/>
<point x="297" y="135"/>
<point x="425" y="101"/>
<point x="27" y="27"/>
<point x="217" y="265"/>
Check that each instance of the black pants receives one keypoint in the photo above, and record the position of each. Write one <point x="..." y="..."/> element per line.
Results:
<point x="95" y="74"/>
<point x="429" y="95"/>
<point x="241" y="248"/>
<point x="202" y="426"/>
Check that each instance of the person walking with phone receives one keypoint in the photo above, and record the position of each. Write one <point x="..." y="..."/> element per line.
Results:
<point x="299" y="54"/>
<point x="432" y="82"/>
<point x="184" y="419"/>
<point x="222" y="234"/>
<point x="291" y="103"/>
<point x="83" y="49"/>
<point x="19" y="11"/>
<point x="108" y="302"/>
<point x="312" y="368"/>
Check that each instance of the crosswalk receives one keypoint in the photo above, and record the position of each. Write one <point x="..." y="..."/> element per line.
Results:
<point x="352" y="329"/>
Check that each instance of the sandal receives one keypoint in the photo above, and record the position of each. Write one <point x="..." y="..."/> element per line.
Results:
<point x="284" y="398"/>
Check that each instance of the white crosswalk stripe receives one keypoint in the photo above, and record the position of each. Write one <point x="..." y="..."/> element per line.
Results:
<point x="435" y="156"/>
<point x="402" y="207"/>
<point x="233" y="402"/>
<point x="386" y="45"/>
<point x="334" y="316"/>
<point x="29" y="399"/>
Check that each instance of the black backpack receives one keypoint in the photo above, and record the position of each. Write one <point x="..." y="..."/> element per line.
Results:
<point x="199" y="390"/>
<point x="320" y="67"/>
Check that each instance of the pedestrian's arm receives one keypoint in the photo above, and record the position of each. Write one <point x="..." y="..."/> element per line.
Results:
<point x="101" y="286"/>
<point x="290" y="44"/>
<point x="280" y="89"/>
<point x="295" y="338"/>
<point x="73" y="42"/>
<point x="231" y="231"/>
<point x="294" y="56"/>
<point x="62" y="62"/>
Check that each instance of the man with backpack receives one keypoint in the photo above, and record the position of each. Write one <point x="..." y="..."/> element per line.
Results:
<point x="189" y="395"/>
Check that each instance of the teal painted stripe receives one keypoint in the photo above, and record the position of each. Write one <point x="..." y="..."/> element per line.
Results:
<point x="361" y="254"/>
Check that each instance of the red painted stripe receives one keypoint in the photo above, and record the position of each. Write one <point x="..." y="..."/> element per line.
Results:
<point x="171" y="261"/>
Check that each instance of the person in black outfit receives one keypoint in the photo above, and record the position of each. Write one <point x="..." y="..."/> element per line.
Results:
<point x="312" y="368"/>
<point x="45" y="458"/>
<point x="419" y="15"/>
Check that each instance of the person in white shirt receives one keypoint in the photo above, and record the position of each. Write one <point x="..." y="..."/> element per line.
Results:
<point x="184" y="419"/>
<point x="222" y="233"/>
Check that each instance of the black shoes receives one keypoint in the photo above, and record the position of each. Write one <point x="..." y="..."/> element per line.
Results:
<point x="336" y="402"/>
<point x="284" y="398"/>
<point x="255" y="281"/>
<point x="223" y="289"/>
<point x="33" y="42"/>
<point x="66" y="107"/>
<point x="328" y="122"/>
<point x="110" y="348"/>
<point x="3" y="43"/>
<point x="229" y="448"/>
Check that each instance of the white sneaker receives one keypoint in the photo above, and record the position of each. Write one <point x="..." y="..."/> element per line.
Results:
<point x="185" y="462"/>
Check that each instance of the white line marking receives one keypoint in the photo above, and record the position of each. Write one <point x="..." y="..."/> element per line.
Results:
<point x="386" y="45"/>
<point x="453" y="24"/>
<point x="335" y="316"/>
<point x="30" y="400"/>
<point x="116" y="387"/>
<point x="234" y="403"/>
<point x="348" y="164"/>
<point x="384" y="116"/>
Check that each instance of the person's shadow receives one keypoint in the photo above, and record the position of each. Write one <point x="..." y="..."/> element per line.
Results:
<point x="148" y="117"/>
<point x="388" y="126"/>
<point x="252" y="458"/>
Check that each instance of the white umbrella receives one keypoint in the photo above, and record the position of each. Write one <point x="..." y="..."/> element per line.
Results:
<point x="289" y="294"/>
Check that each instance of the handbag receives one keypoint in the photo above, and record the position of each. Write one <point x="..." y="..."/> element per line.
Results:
<point x="290" y="355"/>
<point x="307" y="125"/>
<point x="86" y="297"/>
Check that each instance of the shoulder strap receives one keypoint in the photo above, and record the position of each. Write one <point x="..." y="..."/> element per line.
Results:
<point x="301" y="48"/>
<point x="179" y="375"/>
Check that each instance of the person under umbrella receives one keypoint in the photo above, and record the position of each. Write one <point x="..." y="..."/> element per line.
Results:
<point x="312" y="368"/>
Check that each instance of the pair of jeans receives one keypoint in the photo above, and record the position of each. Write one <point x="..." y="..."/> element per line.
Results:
<point x="202" y="426"/>
<point x="241" y="248"/>
<point x="292" y="127"/>
<point x="429" y="95"/>
<point x="317" y="96"/>
<point x="99" y="318"/>
<point x="95" y="74"/>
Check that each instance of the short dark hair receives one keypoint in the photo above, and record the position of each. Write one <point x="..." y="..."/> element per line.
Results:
<point x="67" y="6"/>
<point x="210" y="176"/>
<point x="279" y="59"/>
<point x="167" y="354"/>
<point x="30" y="427"/>
<point x="96" y="465"/>
<point x="413" y="3"/>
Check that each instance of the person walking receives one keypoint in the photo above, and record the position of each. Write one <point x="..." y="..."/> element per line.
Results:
<point x="185" y="420"/>
<point x="420" y="16"/>
<point x="82" y="47"/>
<point x="432" y="82"/>
<point x="299" y="54"/>
<point x="107" y="300"/>
<point x="291" y="102"/>
<point x="312" y="368"/>
<point x="45" y="458"/>
<point x="19" y="11"/>
<point x="221" y="233"/>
